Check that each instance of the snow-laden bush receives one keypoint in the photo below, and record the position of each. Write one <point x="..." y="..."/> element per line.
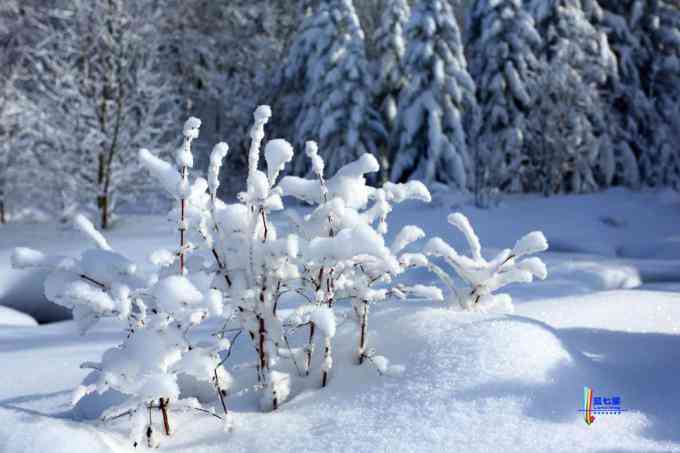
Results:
<point x="337" y="251"/>
<point x="234" y="262"/>
<point x="482" y="278"/>
<point x="344" y="251"/>
<point x="160" y="310"/>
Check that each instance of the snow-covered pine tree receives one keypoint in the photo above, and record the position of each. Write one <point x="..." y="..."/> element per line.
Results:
<point x="664" y="84"/>
<point x="631" y="111"/>
<point x="572" y="39"/>
<point x="328" y="56"/>
<point x="562" y="130"/>
<point x="646" y="37"/>
<point x="616" y="163"/>
<point x="504" y="51"/>
<point x="568" y="28"/>
<point x="437" y="107"/>
<point x="390" y="75"/>
<point x="390" y="42"/>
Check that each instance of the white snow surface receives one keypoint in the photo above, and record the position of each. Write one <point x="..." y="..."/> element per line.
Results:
<point x="12" y="317"/>
<point x="607" y="317"/>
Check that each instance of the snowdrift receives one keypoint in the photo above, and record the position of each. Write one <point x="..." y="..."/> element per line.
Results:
<point x="472" y="382"/>
<point x="10" y="317"/>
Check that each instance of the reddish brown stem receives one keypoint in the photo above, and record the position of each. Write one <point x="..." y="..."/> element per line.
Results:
<point x="163" y="403"/>
<point x="264" y="223"/>
<point x="507" y="259"/>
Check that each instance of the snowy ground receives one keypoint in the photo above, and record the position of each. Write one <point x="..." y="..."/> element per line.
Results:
<point x="608" y="317"/>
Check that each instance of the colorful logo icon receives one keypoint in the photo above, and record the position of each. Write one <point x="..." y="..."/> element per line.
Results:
<point x="588" y="405"/>
<point x="593" y="404"/>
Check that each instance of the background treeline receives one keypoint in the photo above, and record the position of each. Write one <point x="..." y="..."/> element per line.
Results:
<point x="486" y="96"/>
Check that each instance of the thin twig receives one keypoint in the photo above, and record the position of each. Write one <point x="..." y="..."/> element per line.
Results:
<point x="219" y="393"/>
<point x="200" y="409"/>
<point x="231" y="346"/>
<point x="92" y="280"/>
<point x="292" y="355"/>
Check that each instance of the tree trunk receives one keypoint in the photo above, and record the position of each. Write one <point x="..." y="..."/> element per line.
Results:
<point x="105" y="213"/>
<point x="103" y="202"/>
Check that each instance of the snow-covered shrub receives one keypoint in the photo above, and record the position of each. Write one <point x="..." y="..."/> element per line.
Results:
<point x="236" y="247"/>
<point x="100" y="283"/>
<point x="344" y="249"/>
<point x="337" y="251"/>
<point x="234" y="262"/>
<point x="482" y="278"/>
<point x="160" y="309"/>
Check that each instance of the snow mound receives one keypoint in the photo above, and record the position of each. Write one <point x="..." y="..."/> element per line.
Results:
<point x="11" y="317"/>
<point x="464" y="351"/>
<point x="475" y="381"/>
<point x="451" y="359"/>
<point x="60" y="436"/>
<point x="598" y="276"/>
<point x="478" y="381"/>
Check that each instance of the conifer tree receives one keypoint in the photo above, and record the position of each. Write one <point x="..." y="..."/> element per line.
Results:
<point x="328" y="56"/>
<point x="438" y="104"/>
<point x="646" y="38"/>
<point x="390" y="76"/>
<point x="503" y="45"/>
<point x="390" y="43"/>
<point x="571" y="38"/>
